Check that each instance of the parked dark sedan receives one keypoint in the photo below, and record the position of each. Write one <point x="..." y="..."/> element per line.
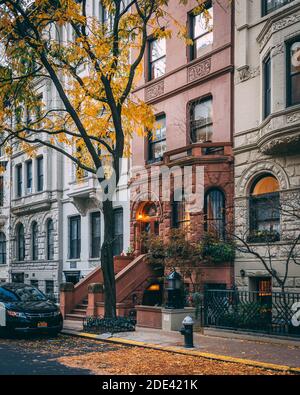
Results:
<point x="25" y="309"/>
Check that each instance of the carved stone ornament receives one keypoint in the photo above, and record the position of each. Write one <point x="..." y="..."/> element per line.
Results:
<point x="154" y="91"/>
<point x="199" y="70"/>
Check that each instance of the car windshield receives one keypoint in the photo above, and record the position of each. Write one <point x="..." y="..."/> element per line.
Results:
<point x="7" y="296"/>
<point x="28" y="294"/>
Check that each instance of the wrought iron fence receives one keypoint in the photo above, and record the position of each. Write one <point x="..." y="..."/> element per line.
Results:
<point x="109" y="325"/>
<point x="273" y="313"/>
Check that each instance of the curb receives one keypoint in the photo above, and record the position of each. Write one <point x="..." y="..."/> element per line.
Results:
<point x="184" y="351"/>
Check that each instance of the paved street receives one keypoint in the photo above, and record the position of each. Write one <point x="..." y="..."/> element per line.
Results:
<point x="69" y="355"/>
<point x="38" y="355"/>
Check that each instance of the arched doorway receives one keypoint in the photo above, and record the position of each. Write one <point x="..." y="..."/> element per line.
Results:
<point x="147" y="218"/>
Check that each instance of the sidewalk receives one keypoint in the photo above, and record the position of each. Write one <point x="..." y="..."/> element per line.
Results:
<point x="260" y="350"/>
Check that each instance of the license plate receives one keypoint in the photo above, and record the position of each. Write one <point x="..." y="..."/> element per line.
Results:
<point x="42" y="325"/>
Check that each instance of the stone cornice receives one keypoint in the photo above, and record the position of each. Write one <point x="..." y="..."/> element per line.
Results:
<point x="276" y="134"/>
<point x="31" y="208"/>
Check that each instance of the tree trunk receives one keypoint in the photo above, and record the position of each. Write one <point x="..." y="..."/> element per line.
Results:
<point x="107" y="260"/>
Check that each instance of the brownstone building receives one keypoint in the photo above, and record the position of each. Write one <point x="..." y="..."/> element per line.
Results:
<point x="191" y="90"/>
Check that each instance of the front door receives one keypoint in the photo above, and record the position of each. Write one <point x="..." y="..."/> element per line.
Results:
<point x="149" y="228"/>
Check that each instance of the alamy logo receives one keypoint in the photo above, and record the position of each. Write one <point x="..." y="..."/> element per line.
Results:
<point x="296" y="317"/>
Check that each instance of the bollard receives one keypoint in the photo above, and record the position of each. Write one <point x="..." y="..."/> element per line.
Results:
<point x="187" y="332"/>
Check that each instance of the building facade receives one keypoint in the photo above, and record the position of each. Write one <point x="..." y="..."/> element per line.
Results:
<point x="51" y="226"/>
<point x="191" y="90"/>
<point x="267" y="139"/>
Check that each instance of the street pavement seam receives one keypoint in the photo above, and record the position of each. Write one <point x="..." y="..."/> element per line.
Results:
<point x="185" y="351"/>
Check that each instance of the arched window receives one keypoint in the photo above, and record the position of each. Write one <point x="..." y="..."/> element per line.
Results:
<point x="20" y="243"/>
<point x="2" y="249"/>
<point x="265" y="206"/>
<point x="50" y="240"/>
<point x="34" y="241"/>
<point x="214" y="211"/>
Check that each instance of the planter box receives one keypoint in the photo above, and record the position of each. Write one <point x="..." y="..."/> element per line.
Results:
<point x="148" y="317"/>
<point x="172" y="318"/>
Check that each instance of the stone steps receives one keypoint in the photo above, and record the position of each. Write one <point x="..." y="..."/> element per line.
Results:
<point x="75" y="317"/>
<point x="79" y="311"/>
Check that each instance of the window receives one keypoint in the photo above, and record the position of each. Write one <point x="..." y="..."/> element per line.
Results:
<point x="118" y="231"/>
<point x="267" y="87"/>
<point x="95" y="235"/>
<point x="293" y="83"/>
<point x="40" y="173"/>
<point x="157" y="58"/>
<point x="201" y="121"/>
<point x="1" y="191"/>
<point x="74" y="237"/>
<point x="34" y="241"/>
<point x="2" y="249"/>
<point x="269" y="6"/>
<point x="49" y="287"/>
<point x="29" y="176"/>
<point x="157" y="140"/>
<point x="265" y="209"/>
<point x="214" y="213"/>
<point x="50" y="240"/>
<point x="19" y="185"/>
<point x="20" y="243"/>
<point x="201" y="27"/>
<point x="180" y="216"/>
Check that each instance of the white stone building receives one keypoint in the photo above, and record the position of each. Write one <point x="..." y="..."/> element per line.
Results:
<point x="81" y="208"/>
<point x="51" y="225"/>
<point x="267" y="136"/>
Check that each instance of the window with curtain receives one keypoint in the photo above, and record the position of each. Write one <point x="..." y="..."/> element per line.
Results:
<point x="293" y="77"/>
<point x="264" y="207"/>
<point x="2" y="248"/>
<point x="34" y="241"/>
<point x="214" y="211"/>
<point x="74" y="237"/>
<point x="50" y="240"/>
<point x="201" y="120"/>
<point x="118" y="231"/>
<point x="20" y="243"/>
<point x="201" y="31"/>
<point x="95" y="235"/>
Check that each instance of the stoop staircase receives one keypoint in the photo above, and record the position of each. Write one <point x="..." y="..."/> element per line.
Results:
<point x="79" y="312"/>
<point x="132" y="277"/>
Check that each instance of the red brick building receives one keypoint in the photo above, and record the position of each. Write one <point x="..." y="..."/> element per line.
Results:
<point x="191" y="90"/>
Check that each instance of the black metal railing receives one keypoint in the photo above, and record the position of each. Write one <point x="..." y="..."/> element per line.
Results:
<point x="273" y="313"/>
<point x="108" y="325"/>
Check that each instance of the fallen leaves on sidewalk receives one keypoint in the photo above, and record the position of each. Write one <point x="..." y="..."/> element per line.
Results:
<point x="136" y="360"/>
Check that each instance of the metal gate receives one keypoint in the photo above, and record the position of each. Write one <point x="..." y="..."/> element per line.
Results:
<point x="275" y="313"/>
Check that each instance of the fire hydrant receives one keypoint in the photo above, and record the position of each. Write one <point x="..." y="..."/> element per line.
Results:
<point x="187" y="332"/>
